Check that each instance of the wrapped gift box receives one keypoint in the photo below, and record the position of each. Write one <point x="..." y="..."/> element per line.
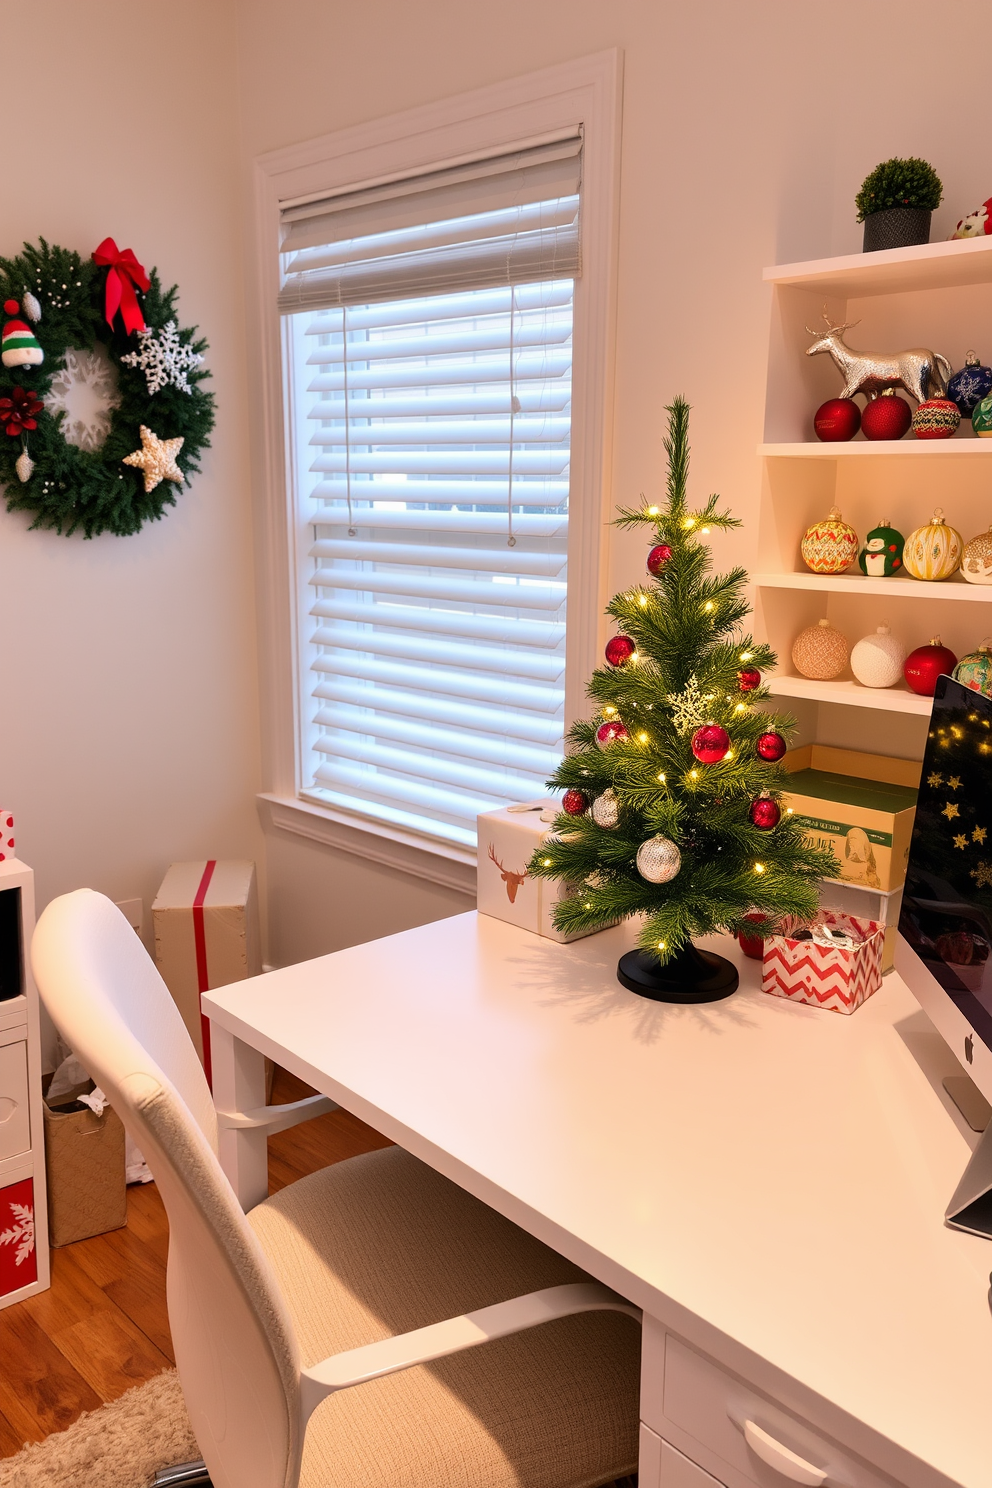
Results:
<point x="836" y="977"/>
<point x="507" y="839"/>
<point x="861" y="806"/>
<point x="206" y="935"/>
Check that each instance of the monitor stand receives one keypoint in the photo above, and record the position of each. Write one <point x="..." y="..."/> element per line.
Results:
<point x="970" y="1208"/>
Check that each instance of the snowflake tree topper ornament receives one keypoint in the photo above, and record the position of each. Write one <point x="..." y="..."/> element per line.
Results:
<point x="689" y="708"/>
<point x="163" y="358"/>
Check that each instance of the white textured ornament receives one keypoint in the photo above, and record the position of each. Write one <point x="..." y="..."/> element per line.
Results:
<point x="157" y="458"/>
<point x="31" y="307"/>
<point x="658" y="860"/>
<point x="877" y="660"/>
<point x="163" y="358"/>
<point x="820" y="652"/>
<point x="24" y="465"/>
<point x="606" y="809"/>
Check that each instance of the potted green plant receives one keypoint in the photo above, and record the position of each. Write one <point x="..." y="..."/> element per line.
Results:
<point x="895" y="203"/>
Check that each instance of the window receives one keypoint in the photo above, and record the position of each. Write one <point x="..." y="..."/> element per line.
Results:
<point x="428" y="344"/>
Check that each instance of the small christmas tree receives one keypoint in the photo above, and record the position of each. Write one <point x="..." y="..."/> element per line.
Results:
<point x="672" y="790"/>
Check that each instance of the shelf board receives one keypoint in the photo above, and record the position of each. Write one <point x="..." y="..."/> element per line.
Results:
<point x="897" y="699"/>
<point x="857" y="583"/>
<point x="894" y="271"/>
<point x="865" y="448"/>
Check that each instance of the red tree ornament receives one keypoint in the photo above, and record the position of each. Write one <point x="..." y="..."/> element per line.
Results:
<point x="836" y="420"/>
<point x="887" y="417"/>
<point x="657" y="558"/>
<point x="765" y="813"/>
<point x="710" y="743"/>
<point x="770" y="747"/>
<point x="923" y="666"/>
<point x="575" y="802"/>
<point x="611" y="733"/>
<point x="748" y="678"/>
<point x="620" y="649"/>
<point x="752" y="945"/>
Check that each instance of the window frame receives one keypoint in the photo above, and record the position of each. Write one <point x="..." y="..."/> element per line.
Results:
<point x="584" y="92"/>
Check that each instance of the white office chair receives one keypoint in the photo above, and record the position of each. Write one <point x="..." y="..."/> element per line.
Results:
<point x="329" y="1337"/>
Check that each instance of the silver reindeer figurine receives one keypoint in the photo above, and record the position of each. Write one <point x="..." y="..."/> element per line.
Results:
<point x="922" y="373"/>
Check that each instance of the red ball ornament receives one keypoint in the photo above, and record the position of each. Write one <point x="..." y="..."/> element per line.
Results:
<point x="11" y="307"/>
<point x="887" y="417"/>
<point x="770" y="747"/>
<point x="923" y="666"/>
<point x="657" y="558"/>
<point x="620" y="649"/>
<point x="836" y="420"/>
<point x="575" y="802"/>
<point x="752" y="945"/>
<point x="748" y="678"/>
<point x="710" y="743"/>
<point x="765" y="813"/>
<point x="611" y="733"/>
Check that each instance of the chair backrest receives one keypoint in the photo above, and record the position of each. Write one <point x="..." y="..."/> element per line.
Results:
<point x="236" y="1349"/>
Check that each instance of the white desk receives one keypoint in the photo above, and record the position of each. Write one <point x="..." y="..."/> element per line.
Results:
<point x="766" y="1181"/>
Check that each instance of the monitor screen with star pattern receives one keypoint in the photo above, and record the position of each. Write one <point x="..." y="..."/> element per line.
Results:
<point x="947" y="903"/>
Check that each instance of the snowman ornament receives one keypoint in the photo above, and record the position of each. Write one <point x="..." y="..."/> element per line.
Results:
<point x="881" y="556"/>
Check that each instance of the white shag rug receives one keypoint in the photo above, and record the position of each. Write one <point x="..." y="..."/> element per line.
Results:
<point x="121" y="1445"/>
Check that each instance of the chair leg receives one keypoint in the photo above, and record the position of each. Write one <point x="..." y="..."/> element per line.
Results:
<point x="183" y="1475"/>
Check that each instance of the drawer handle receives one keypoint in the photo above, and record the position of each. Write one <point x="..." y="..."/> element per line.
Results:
<point x="795" y="1468"/>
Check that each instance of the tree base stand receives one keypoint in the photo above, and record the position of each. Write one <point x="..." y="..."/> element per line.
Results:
<point x="691" y="976"/>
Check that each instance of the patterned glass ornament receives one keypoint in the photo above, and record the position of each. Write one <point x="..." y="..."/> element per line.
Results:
<point x="829" y="546"/>
<point x="877" y="660"/>
<point x="657" y="558"/>
<point x="881" y="556"/>
<point x="976" y="560"/>
<point x="923" y="666"/>
<point x="765" y="813"/>
<point x="710" y="743"/>
<point x="748" y="678"/>
<point x="613" y="732"/>
<point x="933" y="551"/>
<point x="606" y="810"/>
<point x="658" y="860"/>
<point x="975" y="669"/>
<point x="981" y="419"/>
<point x="968" y="387"/>
<point x="620" y="649"/>
<point x="770" y="747"/>
<point x="936" y="418"/>
<point x="820" y="652"/>
<point x="575" y="802"/>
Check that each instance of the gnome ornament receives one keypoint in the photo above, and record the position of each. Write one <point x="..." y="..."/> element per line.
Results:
<point x="19" y="347"/>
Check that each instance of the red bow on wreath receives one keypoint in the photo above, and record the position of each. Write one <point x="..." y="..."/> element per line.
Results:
<point x="123" y="273"/>
<point x="20" y="412"/>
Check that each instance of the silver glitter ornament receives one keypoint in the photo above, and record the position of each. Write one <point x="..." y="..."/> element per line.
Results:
<point x="922" y="372"/>
<point x="658" y="860"/>
<point x="31" y="307"/>
<point x="606" y="809"/>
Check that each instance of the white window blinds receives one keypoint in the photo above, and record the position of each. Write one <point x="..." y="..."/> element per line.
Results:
<point x="432" y="447"/>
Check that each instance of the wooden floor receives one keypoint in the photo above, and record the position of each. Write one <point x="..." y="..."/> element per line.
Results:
<point x="103" y="1326"/>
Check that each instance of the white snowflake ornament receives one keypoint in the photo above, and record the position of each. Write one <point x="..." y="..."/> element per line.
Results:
<point x="163" y="358"/>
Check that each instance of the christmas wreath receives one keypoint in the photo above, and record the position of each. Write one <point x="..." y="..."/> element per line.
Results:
<point x="102" y="416"/>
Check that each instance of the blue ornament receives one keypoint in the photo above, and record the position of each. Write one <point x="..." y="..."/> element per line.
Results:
<point x="968" y="387"/>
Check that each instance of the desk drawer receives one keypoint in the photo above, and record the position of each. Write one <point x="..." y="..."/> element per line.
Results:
<point x="15" y="1125"/>
<point x="766" y="1445"/>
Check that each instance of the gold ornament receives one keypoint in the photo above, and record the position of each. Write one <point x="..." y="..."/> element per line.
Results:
<point x="24" y="465"/>
<point x="976" y="561"/>
<point x="157" y="458"/>
<point x="831" y="545"/>
<point x="820" y="652"/>
<point x="933" y="551"/>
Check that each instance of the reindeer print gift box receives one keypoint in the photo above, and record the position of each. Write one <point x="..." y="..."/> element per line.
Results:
<point x="507" y="840"/>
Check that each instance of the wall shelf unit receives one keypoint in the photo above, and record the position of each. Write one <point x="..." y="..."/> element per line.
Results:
<point x="937" y="295"/>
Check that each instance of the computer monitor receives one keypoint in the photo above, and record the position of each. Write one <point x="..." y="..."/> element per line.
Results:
<point x="944" y="949"/>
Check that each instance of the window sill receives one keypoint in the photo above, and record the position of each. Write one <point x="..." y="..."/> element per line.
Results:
<point x="451" y="867"/>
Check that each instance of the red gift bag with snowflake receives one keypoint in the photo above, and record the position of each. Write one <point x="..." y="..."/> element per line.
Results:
<point x="18" y="1257"/>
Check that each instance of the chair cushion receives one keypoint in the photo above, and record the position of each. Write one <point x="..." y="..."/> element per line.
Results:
<point x="381" y="1244"/>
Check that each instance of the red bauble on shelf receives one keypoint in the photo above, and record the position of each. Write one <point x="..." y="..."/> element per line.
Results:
<point x="657" y="558"/>
<point x="710" y="743"/>
<point x="765" y="813"/>
<point x="575" y="802"/>
<point x="836" y="420"/>
<point x="887" y="417"/>
<point x="770" y="747"/>
<point x="752" y="945"/>
<point x="748" y="678"/>
<point x="613" y="732"/>
<point x="923" y="666"/>
<point x="620" y="649"/>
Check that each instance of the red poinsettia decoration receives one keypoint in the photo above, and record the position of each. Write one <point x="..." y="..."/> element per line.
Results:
<point x="20" y="411"/>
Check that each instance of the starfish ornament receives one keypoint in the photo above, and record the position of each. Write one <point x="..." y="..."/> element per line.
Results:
<point x="157" y="458"/>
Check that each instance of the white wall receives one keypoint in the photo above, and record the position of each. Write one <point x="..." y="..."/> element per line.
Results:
<point x="747" y="131"/>
<point x="129" y="729"/>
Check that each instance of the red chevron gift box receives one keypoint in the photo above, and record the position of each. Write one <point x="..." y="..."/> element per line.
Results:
<point x="835" y="962"/>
